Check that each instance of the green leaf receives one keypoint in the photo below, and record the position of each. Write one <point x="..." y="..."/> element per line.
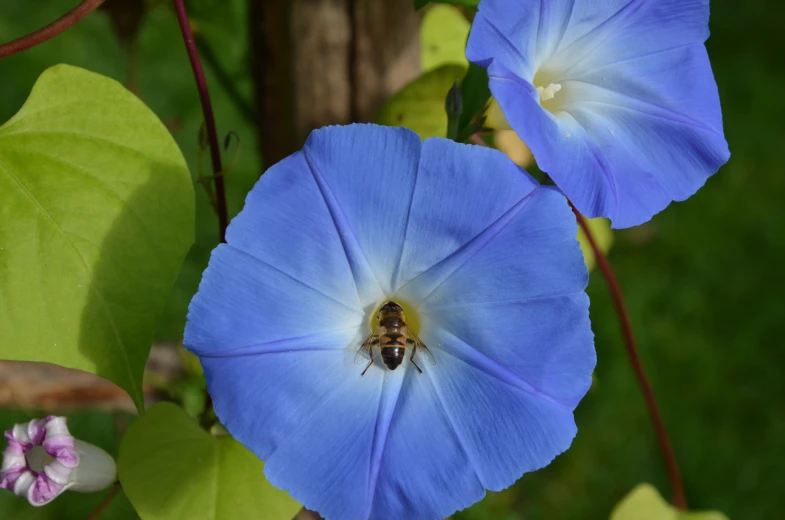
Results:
<point x="443" y="36"/>
<point x="96" y="218"/>
<point x="171" y="469"/>
<point x="420" y="104"/>
<point x="645" y="503"/>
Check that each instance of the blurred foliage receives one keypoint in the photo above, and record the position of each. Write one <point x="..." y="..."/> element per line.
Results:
<point x="702" y="279"/>
<point x="420" y="104"/>
<point x="601" y="231"/>
<point x="443" y="36"/>
<point x="645" y="503"/>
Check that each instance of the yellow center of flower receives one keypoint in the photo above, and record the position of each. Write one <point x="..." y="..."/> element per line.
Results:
<point x="548" y="92"/>
<point x="547" y="86"/>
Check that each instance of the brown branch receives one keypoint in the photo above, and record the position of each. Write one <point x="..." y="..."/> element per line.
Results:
<point x="51" y="30"/>
<point x="96" y="514"/>
<point x="209" y="118"/>
<point x="632" y="352"/>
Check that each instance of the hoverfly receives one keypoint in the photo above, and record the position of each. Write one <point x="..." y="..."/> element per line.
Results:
<point x="392" y="336"/>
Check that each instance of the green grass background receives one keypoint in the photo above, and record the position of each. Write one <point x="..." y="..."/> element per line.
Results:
<point x="704" y="280"/>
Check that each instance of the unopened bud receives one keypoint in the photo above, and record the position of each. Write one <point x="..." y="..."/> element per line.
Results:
<point x="453" y="105"/>
<point x="42" y="460"/>
<point x="454" y="102"/>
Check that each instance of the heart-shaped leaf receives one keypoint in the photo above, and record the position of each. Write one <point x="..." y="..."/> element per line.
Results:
<point x="171" y="469"/>
<point x="97" y="215"/>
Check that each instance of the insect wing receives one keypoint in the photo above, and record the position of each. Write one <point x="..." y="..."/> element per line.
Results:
<point x="422" y="350"/>
<point x="364" y="352"/>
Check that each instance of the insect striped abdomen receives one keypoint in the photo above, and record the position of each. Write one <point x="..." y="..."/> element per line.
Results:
<point x="393" y="347"/>
<point x="392" y="356"/>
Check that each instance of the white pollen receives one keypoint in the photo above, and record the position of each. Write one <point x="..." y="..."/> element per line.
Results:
<point x="548" y="92"/>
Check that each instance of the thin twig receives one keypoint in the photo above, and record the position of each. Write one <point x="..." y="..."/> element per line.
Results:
<point x="105" y="502"/>
<point x="632" y="352"/>
<point x="209" y="118"/>
<point x="51" y="30"/>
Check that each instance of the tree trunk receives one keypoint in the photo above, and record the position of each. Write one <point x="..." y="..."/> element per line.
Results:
<point x="323" y="62"/>
<point x="322" y="45"/>
<point x="271" y="60"/>
<point x="387" y="51"/>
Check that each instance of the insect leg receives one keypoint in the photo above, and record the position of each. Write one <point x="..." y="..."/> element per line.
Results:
<point x="368" y="366"/>
<point x="373" y="343"/>
<point x="414" y="351"/>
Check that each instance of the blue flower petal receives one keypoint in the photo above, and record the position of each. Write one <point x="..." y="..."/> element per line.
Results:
<point x="264" y="399"/>
<point x="469" y="188"/>
<point x="315" y="255"/>
<point x="533" y="310"/>
<point x="326" y="461"/>
<point x="370" y="196"/>
<point x="490" y="414"/>
<point x="425" y="471"/>
<point x="244" y="306"/>
<point x="634" y="121"/>
<point x="278" y="340"/>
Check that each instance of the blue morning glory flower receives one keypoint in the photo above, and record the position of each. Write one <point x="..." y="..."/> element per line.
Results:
<point x="615" y="98"/>
<point x="485" y="265"/>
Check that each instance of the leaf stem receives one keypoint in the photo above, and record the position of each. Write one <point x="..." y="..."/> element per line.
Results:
<point x="96" y="514"/>
<point x="209" y="118"/>
<point x="50" y="31"/>
<point x="632" y="352"/>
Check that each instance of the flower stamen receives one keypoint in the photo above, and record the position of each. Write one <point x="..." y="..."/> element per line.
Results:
<point x="549" y="92"/>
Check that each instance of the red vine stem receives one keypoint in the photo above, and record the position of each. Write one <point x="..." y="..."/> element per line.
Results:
<point x="50" y="31"/>
<point x="96" y="514"/>
<point x="632" y="352"/>
<point x="209" y="118"/>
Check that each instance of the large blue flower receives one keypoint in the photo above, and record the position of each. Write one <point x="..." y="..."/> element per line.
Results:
<point x="486" y="265"/>
<point x="615" y="98"/>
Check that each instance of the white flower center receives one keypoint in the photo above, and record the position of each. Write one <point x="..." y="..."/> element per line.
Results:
<point x="549" y="92"/>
